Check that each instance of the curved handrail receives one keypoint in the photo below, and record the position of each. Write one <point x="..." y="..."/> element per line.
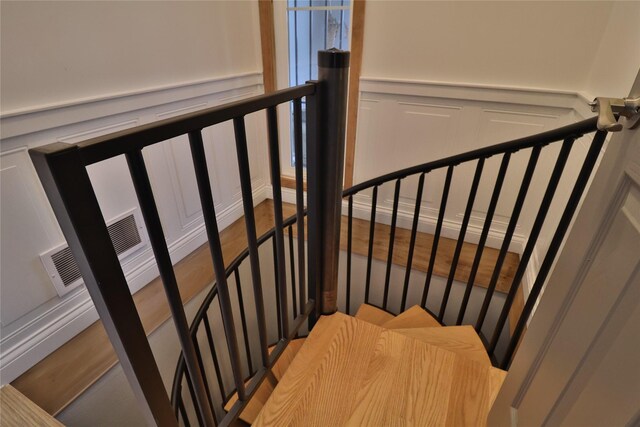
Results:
<point x="576" y="130"/>
<point x="180" y="370"/>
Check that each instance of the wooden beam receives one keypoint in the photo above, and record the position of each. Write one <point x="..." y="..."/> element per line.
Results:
<point x="268" y="45"/>
<point x="357" y="38"/>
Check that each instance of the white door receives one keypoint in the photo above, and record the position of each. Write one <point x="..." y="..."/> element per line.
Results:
<point x="579" y="363"/>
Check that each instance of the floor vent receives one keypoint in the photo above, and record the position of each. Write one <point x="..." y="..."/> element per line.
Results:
<point x="126" y="235"/>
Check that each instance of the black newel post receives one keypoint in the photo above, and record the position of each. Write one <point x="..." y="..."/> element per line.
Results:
<point x="326" y="123"/>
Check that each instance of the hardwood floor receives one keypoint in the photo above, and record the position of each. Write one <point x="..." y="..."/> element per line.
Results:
<point x="62" y="376"/>
<point x="58" y="379"/>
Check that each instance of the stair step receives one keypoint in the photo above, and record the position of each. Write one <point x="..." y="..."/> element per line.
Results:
<point x="459" y="339"/>
<point x="372" y="314"/>
<point x="353" y="372"/>
<point x="496" y="378"/>
<point x="262" y="394"/>
<point x="414" y="317"/>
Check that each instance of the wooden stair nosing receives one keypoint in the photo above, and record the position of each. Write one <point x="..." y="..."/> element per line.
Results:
<point x="262" y="394"/>
<point x="413" y="317"/>
<point x="372" y="314"/>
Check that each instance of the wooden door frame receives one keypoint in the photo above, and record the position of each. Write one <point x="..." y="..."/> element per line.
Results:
<point x="267" y="42"/>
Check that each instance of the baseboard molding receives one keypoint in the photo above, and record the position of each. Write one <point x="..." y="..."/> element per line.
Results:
<point x="426" y="223"/>
<point x="35" y="340"/>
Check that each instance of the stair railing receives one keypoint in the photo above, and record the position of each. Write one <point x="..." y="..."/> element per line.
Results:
<point x="568" y="135"/>
<point x="62" y="171"/>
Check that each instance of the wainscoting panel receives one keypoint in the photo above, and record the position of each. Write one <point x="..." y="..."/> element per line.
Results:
<point x="405" y="128"/>
<point x="37" y="320"/>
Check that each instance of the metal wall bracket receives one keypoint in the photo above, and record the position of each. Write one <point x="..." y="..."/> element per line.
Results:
<point x="609" y="108"/>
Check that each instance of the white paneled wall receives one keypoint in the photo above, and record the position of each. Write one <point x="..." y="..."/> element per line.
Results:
<point x="405" y="123"/>
<point x="35" y="320"/>
<point x="75" y="70"/>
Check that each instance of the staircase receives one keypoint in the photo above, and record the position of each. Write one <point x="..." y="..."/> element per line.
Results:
<point x="370" y="369"/>
<point x="379" y="369"/>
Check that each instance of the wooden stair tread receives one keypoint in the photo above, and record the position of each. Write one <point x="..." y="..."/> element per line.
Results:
<point x="353" y="372"/>
<point x="460" y="339"/>
<point x="414" y="317"/>
<point x="17" y="410"/>
<point x="372" y="314"/>
<point x="496" y="378"/>
<point x="262" y="394"/>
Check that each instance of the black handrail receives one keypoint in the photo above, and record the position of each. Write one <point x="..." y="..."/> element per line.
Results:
<point x="200" y="318"/>
<point x="568" y="134"/>
<point x="62" y="170"/>
<point x="541" y="139"/>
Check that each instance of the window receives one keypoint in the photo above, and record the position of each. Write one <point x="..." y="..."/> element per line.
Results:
<point x="311" y="25"/>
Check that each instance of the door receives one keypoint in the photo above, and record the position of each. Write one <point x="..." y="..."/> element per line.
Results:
<point x="579" y="363"/>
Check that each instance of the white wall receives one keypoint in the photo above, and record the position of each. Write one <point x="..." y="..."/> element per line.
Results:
<point x="162" y="60"/>
<point x="532" y="44"/>
<point x="55" y="52"/>
<point x="443" y="78"/>
<point x="617" y="59"/>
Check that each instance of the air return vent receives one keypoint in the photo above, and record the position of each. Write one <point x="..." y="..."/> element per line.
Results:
<point x="126" y="235"/>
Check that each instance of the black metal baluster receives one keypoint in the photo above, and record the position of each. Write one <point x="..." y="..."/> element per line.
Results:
<point x="193" y="399"/>
<point x="196" y="346"/>
<point x="243" y="321"/>
<point x="533" y="238"/>
<point x="252" y="243"/>
<point x="297" y="136"/>
<point x="412" y="242"/>
<point x="214" y="355"/>
<point x="63" y="174"/>
<point x="161" y="252"/>
<point x="392" y="238"/>
<point x="349" y="244"/>
<point x="554" y="247"/>
<point x="292" y="267"/>
<point x="483" y="236"/>
<point x="463" y="232"/>
<point x="276" y="268"/>
<point x="513" y="222"/>
<point x="436" y="235"/>
<point x="372" y="229"/>
<point x="274" y="161"/>
<point x="183" y="413"/>
<point x="213" y="235"/>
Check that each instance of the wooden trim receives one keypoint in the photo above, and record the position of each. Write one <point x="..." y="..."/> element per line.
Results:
<point x="357" y="39"/>
<point x="290" y="182"/>
<point x="268" y="45"/>
<point x="58" y="379"/>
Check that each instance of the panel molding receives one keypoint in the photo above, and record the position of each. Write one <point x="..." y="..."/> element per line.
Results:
<point x="43" y="117"/>
<point x="478" y="92"/>
<point x="38" y="332"/>
<point x="32" y="342"/>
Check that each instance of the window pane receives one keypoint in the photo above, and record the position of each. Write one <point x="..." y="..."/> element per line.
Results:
<point x="314" y="25"/>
